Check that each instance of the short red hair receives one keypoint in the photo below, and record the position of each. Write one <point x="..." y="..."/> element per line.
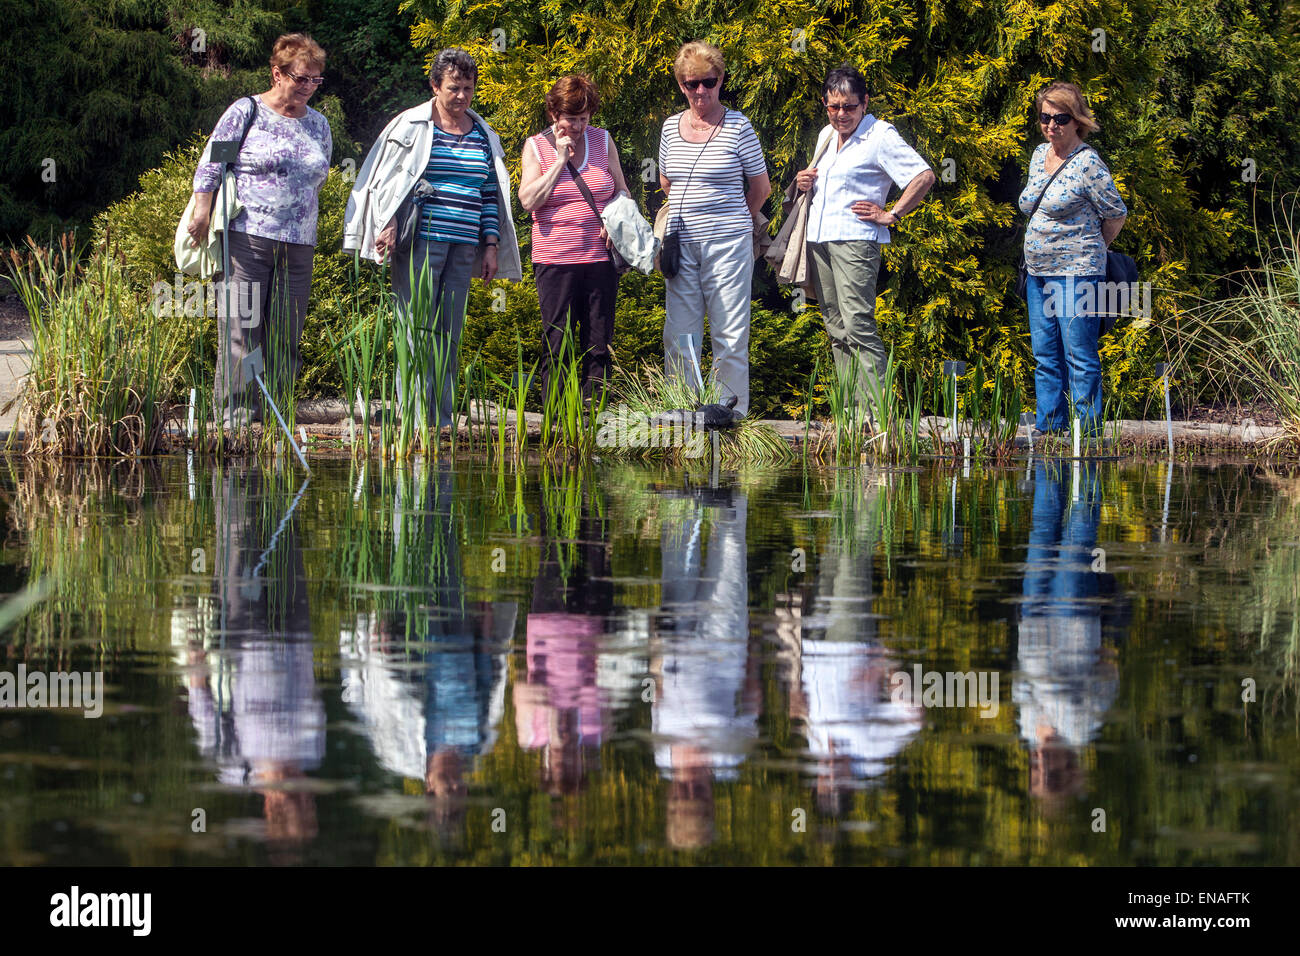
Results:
<point x="572" y="96"/>
<point x="291" y="47"/>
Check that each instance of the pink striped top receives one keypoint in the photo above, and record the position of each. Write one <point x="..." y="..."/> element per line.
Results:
<point x="565" y="230"/>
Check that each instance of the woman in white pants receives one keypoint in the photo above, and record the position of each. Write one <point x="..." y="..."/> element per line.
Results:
<point x="712" y="170"/>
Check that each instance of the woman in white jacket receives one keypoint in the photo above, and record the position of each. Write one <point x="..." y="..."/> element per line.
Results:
<point x="464" y="229"/>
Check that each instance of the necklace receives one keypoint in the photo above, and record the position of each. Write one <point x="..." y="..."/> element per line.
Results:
<point x="707" y="125"/>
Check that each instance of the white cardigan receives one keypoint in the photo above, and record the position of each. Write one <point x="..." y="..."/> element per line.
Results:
<point x="388" y="175"/>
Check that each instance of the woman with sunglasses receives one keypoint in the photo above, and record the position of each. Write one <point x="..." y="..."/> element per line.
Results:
<point x="282" y="165"/>
<point x="1079" y="212"/>
<point x="856" y="161"/>
<point x="711" y="168"/>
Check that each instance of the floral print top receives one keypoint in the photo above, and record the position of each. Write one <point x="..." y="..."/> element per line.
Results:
<point x="281" y="168"/>
<point x="1064" y="236"/>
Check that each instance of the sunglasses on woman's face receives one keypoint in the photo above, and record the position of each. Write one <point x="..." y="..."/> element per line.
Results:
<point x="1060" y="119"/>
<point x="709" y="82"/>
<point x="842" y="107"/>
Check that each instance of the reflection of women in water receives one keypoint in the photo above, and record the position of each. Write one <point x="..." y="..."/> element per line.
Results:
<point x="840" y="673"/>
<point x="1067" y="677"/>
<point x="559" y="706"/>
<point x="705" y="711"/>
<point x="429" y="685"/>
<point x="252" y="691"/>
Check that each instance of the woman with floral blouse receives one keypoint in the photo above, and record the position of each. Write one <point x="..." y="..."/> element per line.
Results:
<point x="1079" y="214"/>
<point x="282" y="165"/>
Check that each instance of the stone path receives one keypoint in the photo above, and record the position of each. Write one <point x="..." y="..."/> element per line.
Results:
<point x="14" y="360"/>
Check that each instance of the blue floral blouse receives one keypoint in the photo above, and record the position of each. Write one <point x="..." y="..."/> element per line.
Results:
<point x="1064" y="237"/>
<point x="280" y="171"/>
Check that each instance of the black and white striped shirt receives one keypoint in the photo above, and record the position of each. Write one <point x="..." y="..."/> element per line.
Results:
<point x="708" y="196"/>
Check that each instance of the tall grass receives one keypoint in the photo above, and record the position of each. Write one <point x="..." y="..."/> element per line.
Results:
<point x="653" y="393"/>
<point x="102" y="362"/>
<point x="568" y="421"/>
<point x="993" y="410"/>
<point x="1248" y="345"/>
<point x="414" y="342"/>
<point x="364" y="356"/>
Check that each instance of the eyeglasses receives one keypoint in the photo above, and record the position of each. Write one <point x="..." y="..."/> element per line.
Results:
<point x="709" y="82"/>
<point x="1060" y="119"/>
<point x="313" y="80"/>
<point x="841" y="107"/>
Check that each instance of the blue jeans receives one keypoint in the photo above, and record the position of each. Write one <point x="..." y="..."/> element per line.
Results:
<point x="1063" y="328"/>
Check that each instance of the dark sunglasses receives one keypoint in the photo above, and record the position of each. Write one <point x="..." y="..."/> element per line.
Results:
<point x="709" y="82"/>
<point x="841" y="107"/>
<point x="1061" y="119"/>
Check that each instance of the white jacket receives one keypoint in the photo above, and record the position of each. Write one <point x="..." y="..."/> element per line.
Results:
<point x="388" y="175"/>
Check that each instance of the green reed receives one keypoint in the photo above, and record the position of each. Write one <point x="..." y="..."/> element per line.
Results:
<point x="1247" y="346"/>
<point x="102" y="363"/>
<point x="993" y="413"/>
<point x="415" y="341"/>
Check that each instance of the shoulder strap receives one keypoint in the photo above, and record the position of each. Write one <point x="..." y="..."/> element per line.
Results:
<point x="825" y="146"/>
<point x="1066" y="162"/>
<point x="248" y="124"/>
<point x="721" y="123"/>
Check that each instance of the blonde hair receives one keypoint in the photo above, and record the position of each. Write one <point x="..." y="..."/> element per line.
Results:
<point x="291" y="47"/>
<point x="1069" y="95"/>
<point x="698" y="55"/>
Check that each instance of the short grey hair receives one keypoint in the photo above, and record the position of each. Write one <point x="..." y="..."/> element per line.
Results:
<point x="845" y="80"/>
<point x="453" y="60"/>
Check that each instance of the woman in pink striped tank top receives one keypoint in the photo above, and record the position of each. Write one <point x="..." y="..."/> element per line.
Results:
<point x="575" y="276"/>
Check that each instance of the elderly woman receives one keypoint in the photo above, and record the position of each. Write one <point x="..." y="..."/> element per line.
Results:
<point x="464" y="229"/>
<point x="711" y="169"/>
<point x="1074" y="213"/>
<point x="572" y="265"/>
<point x="282" y="164"/>
<point x="857" y="159"/>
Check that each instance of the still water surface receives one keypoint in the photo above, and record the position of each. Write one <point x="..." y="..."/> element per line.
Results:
<point x="616" y="664"/>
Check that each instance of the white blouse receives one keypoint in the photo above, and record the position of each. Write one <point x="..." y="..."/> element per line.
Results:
<point x="874" y="158"/>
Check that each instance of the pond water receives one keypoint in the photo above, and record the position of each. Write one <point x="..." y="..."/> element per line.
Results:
<point x="1047" y="663"/>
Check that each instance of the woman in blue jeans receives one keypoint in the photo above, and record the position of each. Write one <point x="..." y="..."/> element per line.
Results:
<point x="1079" y="214"/>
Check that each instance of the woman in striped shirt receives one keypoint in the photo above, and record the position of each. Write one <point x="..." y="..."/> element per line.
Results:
<point x="572" y="266"/>
<point x="711" y="169"/>
<point x="460" y="228"/>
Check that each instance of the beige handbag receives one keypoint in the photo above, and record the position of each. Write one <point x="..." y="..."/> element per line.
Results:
<point x="787" y="253"/>
<point x="762" y="238"/>
<point x="204" y="260"/>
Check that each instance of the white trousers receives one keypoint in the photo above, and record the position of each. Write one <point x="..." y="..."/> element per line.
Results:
<point x="714" y="279"/>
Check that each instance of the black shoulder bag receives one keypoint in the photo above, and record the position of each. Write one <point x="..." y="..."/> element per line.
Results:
<point x="670" y="253"/>
<point x="1120" y="270"/>
<point x="620" y="264"/>
<point x="1022" y="270"/>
